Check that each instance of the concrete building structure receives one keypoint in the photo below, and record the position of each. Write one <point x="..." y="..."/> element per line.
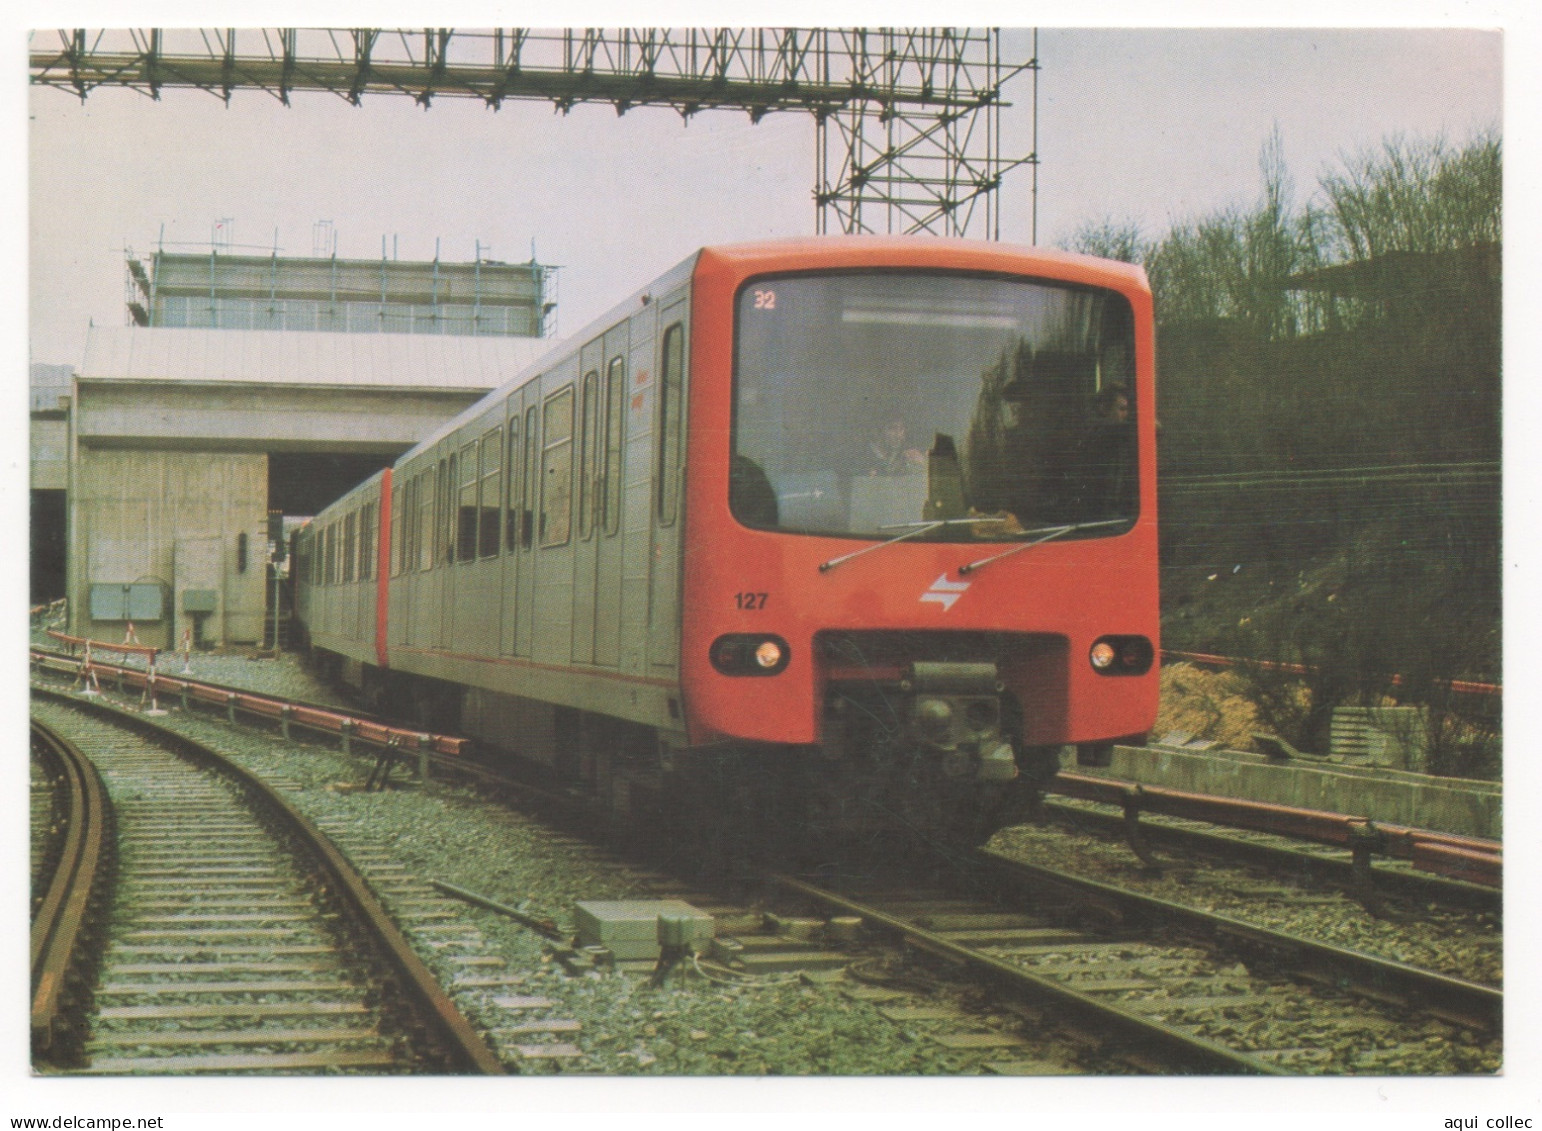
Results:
<point x="247" y="388"/>
<point x="183" y="442"/>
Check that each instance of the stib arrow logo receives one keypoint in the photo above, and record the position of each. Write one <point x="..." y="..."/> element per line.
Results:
<point x="945" y="592"/>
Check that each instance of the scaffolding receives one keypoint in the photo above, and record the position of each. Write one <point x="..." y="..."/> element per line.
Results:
<point x="222" y="290"/>
<point x="908" y="120"/>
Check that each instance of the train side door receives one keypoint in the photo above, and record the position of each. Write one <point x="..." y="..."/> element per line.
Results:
<point x="669" y="478"/>
<point x="555" y="525"/>
<point x="609" y="538"/>
<point x="589" y="435"/>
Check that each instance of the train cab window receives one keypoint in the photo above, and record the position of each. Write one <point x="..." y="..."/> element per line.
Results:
<point x="557" y="468"/>
<point x="490" y="492"/>
<point x="615" y="424"/>
<point x="672" y="372"/>
<point x="946" y="407"/>
<point x="466" y="506"/>
<point x="589" y="452"/>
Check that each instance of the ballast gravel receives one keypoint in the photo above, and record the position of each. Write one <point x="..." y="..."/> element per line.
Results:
<point x="697" y="1023"/>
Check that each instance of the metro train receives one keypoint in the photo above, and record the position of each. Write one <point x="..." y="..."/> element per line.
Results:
<point x="826" y="532"/>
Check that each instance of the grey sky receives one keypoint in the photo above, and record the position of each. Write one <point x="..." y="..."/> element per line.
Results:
<point x="1147" y="125"/>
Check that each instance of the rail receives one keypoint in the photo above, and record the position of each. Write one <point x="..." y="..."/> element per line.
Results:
<point x="1196" y="1053"/>
<point x="445" y="1026"/>
<point x="1473" y="859"/>
<point x="61" y="916"/>
<point x="1467" y="1003"/>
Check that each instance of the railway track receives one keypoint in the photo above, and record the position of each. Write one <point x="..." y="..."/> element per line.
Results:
<point x="234" y="937"/>
<point x="1226" y="999"/>
<point x="1168" y="988"/>
<point x="1324" y="864"/>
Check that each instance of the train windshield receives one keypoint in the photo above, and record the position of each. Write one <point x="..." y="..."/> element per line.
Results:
<point x="964" y="408"/>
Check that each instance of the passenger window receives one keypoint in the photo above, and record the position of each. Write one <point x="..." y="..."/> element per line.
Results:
<point x="466" y="506"/>
<point x="589" y="453"/>
<point x="516" y="483"/>
<point x="532" y="478"/>
<point x="557" y="469"/>
<point x="490" y="491"/>
<point x="445" y="535"/>
<point x="349" y="546"/>
<point x="367" y="542"/>
<point x="423" y="536"/>
<point x="672" y="371"/>
<point x="615" y="430"/>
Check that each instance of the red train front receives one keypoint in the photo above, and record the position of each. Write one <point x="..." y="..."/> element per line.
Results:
<point x="920" y="530"/>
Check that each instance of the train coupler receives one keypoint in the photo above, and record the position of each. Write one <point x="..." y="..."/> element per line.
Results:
<point x="955" y="711"/>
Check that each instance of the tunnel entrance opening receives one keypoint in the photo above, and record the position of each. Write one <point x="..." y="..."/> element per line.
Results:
<point x="302" y="483"/>
<point x="48" y="542"/>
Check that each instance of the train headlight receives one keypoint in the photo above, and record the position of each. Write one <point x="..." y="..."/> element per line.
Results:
<point x="1121" y="655"/>
<point x="746" y="653"/>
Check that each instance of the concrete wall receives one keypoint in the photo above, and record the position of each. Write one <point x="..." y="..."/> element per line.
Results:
<point x="233" y="416"/>
<point x="1454" y="805"/>
<point x="173" y="518"/>
<point x="50" y="443"/>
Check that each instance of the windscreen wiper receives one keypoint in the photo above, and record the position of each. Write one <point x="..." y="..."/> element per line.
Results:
<point x="1046" y="534"/>
<point x="908" y="530"/>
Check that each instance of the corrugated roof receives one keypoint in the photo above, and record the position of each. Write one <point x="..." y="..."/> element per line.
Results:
<point x="137" y="353"/>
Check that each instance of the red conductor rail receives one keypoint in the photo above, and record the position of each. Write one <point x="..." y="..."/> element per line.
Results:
<point x="152" y="685"/>
<point x="1472" y="859"/>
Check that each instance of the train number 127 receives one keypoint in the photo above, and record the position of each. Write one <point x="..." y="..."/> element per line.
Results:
<point x="750" y="600"/>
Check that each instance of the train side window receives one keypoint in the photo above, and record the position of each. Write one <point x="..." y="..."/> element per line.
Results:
<point x="449" y="480"/>
<point x="367" y="542"/>
<point x="329" y="556"/>
<point x="490" y="493"/>
<point x="615" y="425"/>
<point x="350" y="545"/>
<point x="424" y="536"/>
<point x="672" y="372"/>
<point x="397" y="551"/>
<point x="532" y="478"/>
<point x="557" y="468"/>
<point x="589" y="452"/>
<point x="516" y="486"/>
<point x="466" y="506"/>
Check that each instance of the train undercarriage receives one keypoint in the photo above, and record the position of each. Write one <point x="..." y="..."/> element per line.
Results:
<point x="934" y="755"/>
